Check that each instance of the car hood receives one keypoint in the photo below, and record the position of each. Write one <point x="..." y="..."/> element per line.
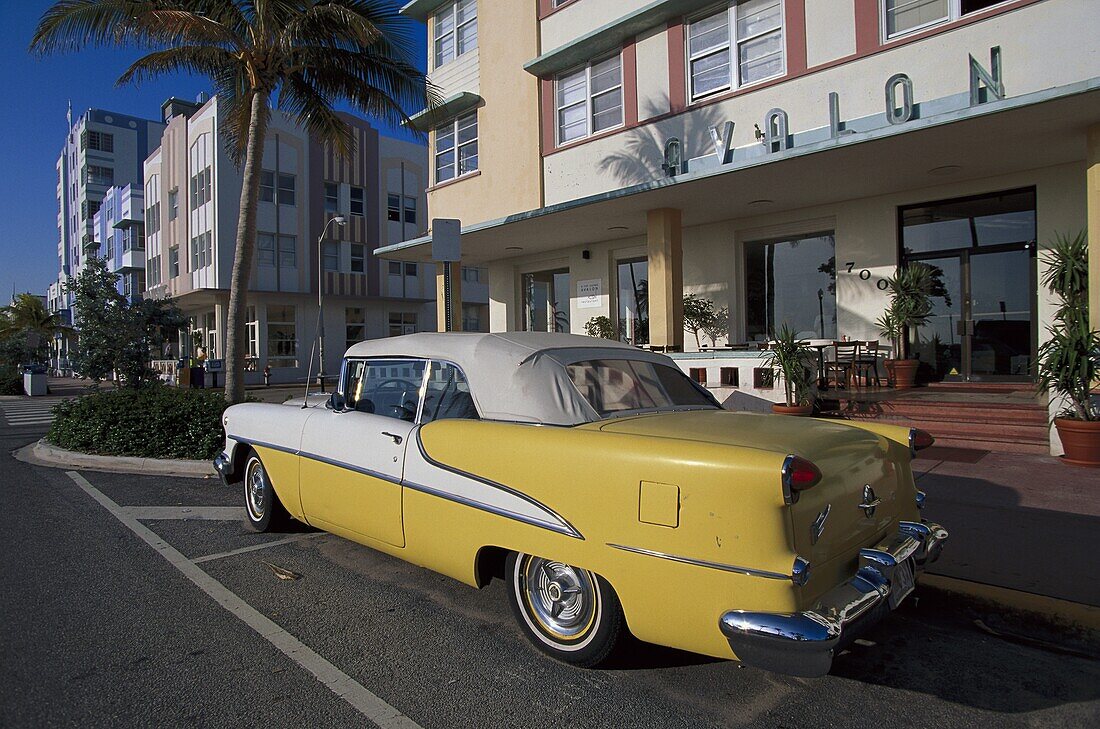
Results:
<point x="806" y="437"/>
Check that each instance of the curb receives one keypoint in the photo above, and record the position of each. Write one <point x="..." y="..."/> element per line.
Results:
<point x="1047" y="608"/>
<point x="44" y="454"/>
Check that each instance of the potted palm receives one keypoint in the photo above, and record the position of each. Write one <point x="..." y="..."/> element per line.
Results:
<point x="910" y="306"/>
<point x="1069" y="362"/>
<point x="792" y="360"/>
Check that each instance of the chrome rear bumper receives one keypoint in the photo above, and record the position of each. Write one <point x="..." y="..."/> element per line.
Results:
<point x="224" y="468"/>
<point x="804" y="643"/>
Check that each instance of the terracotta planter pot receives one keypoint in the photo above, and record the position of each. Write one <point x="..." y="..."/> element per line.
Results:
<point x="903" y="372"/>
<point x="781" y="409"/>
<point x="1081" y="440"/>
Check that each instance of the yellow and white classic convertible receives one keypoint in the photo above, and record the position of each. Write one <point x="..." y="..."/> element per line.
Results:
<point x="607" y="489"/>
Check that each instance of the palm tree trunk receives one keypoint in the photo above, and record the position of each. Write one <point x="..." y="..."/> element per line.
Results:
<point x="236" y="326"/>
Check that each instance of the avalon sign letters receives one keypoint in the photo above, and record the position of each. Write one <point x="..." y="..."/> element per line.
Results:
<point x="899" y="102"/>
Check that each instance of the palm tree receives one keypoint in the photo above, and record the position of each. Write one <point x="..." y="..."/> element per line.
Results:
<point x="306" y="54"/>
<point x="27" y="315"/>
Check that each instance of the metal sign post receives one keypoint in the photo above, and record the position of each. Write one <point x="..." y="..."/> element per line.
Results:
<point x="447" y="249"/>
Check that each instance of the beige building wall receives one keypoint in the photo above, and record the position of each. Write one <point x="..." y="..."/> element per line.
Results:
<point x="581" y="18"/>
<point x="508" y="178"/>
<point x="938" y="67"/>
<point x="830" y="30"/>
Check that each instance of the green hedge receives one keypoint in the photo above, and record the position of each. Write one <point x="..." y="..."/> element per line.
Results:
<point x="11" y="385"/>
<point x="151" y="422"/>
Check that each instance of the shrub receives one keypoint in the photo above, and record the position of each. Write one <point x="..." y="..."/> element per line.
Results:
<point x="11" y="385"/>
<point x="150" y="422"/>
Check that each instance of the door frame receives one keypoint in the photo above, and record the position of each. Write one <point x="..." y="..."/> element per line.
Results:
<point x="964" y="255"/>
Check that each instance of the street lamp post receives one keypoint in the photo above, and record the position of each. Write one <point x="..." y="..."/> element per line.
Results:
<point x="339" y="220"/>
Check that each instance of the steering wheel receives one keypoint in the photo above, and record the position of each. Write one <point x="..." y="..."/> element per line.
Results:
<point x="408" y="391"/>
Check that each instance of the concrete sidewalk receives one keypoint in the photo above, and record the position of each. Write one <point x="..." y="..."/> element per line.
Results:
<point x="1021" y="522"/>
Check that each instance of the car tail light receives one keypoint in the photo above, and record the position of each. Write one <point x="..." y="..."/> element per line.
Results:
<point x="798" y="474"/>
<point x="919" y="440"/>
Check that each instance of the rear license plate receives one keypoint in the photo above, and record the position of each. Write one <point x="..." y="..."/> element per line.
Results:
<point x="902" y="583"/>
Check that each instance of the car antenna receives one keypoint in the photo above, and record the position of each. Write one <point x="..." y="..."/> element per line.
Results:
<point x="309" y="368"/>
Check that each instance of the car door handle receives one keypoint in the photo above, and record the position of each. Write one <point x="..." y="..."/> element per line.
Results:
<point x="395" y="436"/>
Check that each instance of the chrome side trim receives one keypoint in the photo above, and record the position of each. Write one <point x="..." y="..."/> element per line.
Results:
<point x="565" y="529"/>
<point x="568" y="528"/>
<point x="704" y="563"/>
<point x="262" y="444"/>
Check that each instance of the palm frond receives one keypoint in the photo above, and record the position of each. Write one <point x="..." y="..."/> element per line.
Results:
<point x="203" y="60"/>
<point x="314" y="111"/>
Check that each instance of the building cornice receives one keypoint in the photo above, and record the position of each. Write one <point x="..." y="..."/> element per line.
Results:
<point x="610" y="36"/>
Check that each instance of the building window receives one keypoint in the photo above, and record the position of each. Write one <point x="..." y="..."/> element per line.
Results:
<point x="791" y="281"/>
<point x="590" y="99"/>
<point x="395" y="268"/>
<point x="283" y="194"/>
<point x="286" y="190"/>
<point x="357" y="258"/>
<point x="402" y="323"/>
<point x="288" y="251"/>
<point x="470" y="274"/>
<point x="546" y="301"/>
<point x="96" y="175"/>
<point x="265" y="249"/>
<point x="173" y="262"/>
<point x="282" y="337"/>
<point x="200" y="188"/>
<point x="907" y="16"/>
<point x="332" y="198"/>
<point x="410" y="270"/>
<point x="331" y="252"/>
<point x="393" y="208"/>
<point x="471" y="317"/>
<point x="456" y="147"/>
<point x="201" y="251"/>
<point x="736" y="46"/>
<point x="173" y="204"/>
<point x="152" y="218"/>
<point x="455" y="30"/>
<point x="100" y="141"/>
<point x="358" y="201"/>
<point x="410" y="210"/>
<point x="252" y="328"/>
<point x="355" y="326"/>
<point x="633" y="295"/>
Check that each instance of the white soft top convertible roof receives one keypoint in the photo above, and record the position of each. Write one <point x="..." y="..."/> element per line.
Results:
<point x="518" y="376"/>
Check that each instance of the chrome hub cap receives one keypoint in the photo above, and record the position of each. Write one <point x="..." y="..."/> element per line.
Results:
<point x="255" y="490"/>
<point x="562" y="599"/>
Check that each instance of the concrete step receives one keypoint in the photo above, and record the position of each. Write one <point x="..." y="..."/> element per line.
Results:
<point x="982" y="431"/>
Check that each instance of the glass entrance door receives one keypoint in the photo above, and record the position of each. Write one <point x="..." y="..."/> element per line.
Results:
<point x="999" y="316"/>
<point x="982" y="254"/>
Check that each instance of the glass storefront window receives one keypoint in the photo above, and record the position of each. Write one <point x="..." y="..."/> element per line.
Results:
<point x="791" y="281"/>
<point x="546" y="301"/>
<point x="282" y="336"/>
<point x="991" y="220"/>
<point x="634" y="301"/>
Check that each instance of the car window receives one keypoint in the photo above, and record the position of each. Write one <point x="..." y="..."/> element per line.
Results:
<point x="448" y="395"/>
<point x="613" y="386"/>
<point x="389" y="387"/>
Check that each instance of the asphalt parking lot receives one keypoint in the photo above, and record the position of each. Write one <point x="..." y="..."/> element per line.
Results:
<point x="99" y="628"/>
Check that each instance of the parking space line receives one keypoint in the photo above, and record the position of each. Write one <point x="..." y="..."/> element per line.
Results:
<point x="205" y="513"/>
<point x="363" y="700"/>
<point x="254" y="547"/>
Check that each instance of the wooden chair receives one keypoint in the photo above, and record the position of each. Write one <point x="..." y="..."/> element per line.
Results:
<point x="843" y="364"/>
<point x="866" y="363"/>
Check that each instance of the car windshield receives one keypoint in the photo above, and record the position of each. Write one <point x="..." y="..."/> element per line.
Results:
<point x="617" y="386"/>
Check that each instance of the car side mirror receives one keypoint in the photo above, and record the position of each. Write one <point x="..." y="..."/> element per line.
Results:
<point x="336" y="402"/>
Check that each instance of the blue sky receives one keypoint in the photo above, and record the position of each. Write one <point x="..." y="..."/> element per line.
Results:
<point x="37" y="91"/>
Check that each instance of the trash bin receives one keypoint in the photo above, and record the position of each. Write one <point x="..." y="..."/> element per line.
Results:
<point x="198" y="377"/>
<point x="34" y="380"/>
